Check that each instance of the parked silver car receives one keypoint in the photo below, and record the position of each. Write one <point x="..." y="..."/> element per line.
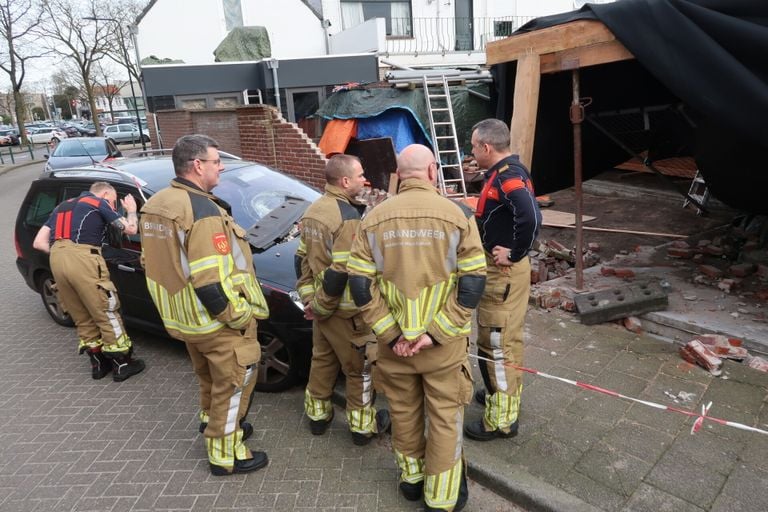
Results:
<point x="124" y="133"/>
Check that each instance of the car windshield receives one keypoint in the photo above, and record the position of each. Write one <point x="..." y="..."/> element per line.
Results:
<point x="253" y="192"/>
<point x="80" y="148"/>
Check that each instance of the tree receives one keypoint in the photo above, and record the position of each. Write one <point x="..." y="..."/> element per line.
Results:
<point x="18" y="21"/>
<point x="80" y="41"/>
<point x="107" y="85"/>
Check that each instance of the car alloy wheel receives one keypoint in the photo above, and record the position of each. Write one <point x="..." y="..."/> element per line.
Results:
<point x="278" y="366"/>
<point x="51" y="301"/>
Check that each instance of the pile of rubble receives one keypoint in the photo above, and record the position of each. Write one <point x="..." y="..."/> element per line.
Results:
<point x="709" y="350"/>
<point x="551" y="259"/>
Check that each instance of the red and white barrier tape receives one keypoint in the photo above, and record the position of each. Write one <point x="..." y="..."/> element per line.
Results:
<point x="696" y="424"/>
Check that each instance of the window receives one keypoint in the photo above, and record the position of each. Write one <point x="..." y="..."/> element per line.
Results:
<point x="396" y="12"/>
<point x="40" y="208"/>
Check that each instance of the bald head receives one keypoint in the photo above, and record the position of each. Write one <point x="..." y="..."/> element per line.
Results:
<point x="416" y="161"/>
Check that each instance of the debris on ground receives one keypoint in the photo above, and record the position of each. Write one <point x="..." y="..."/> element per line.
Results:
<point x="682" y="396"/>
<point x="723" y="346"/>
<point x="696" y="352"/>
<point x="550" y="259"/>
<point x="756" y="362"/>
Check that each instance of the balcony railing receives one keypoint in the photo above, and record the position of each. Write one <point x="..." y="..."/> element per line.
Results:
<point x="422" y="36"/>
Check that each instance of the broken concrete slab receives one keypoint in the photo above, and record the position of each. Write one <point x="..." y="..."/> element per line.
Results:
<point x="619" y="302"/>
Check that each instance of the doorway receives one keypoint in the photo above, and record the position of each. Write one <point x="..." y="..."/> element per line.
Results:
<point x="464" y="23"/>
<point x="303" y="103"/>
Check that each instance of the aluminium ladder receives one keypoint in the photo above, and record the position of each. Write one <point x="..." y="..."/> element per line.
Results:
<point x="699" y="192"/>
<point x="450" y="178"/>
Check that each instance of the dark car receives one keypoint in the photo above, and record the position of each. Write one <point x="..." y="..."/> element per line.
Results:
<point x="267" y="203"/>
<point x="9" y="138"/>
<point x="70" y="130"/>
<point x="81" y="151"/>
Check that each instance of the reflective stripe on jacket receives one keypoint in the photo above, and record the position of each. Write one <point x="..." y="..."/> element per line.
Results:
<point x="327" y="230"/>
<point x="198" y="263"/>
<point x="414" y="248"/>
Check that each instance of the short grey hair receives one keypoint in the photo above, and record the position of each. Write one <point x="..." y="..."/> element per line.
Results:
<point x="189" y="147"/>
<point x="493" y="132"/>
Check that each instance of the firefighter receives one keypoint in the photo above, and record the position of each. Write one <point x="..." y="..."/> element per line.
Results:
<point x="417" y="270"/>
<point x="200" y="275"/>
<point x="73" y="235"/>
<point x="339" y="334"/>
<point x="508" y="218"/>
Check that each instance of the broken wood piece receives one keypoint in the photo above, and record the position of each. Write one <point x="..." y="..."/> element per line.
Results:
<point x="609" y="230"/>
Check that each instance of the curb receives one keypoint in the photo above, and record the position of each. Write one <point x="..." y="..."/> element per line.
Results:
<point x="514" y="484"/>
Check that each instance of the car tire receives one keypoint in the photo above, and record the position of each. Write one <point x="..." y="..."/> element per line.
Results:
<point x="51" y="302"/>
<point x="145" y="138"/>
<point x="278" y="368"/>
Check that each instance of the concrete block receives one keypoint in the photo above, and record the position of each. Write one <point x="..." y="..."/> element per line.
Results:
<point x="611" y="304"/>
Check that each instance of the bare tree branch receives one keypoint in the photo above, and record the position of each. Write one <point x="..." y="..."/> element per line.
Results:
<point x="83" y="42"/>
<point x="18" y="20"/>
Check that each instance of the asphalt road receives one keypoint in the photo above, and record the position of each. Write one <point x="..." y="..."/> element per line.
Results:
<point x="68" y="442"/>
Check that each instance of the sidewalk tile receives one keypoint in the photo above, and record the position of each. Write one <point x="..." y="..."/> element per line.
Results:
<point x="613" y="468"/>
<point x="643" y="442"/>
<point x="686" y="479"/>
<point x="650" y="499"/>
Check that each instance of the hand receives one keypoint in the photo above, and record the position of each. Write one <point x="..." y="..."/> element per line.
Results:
<point x="309" y="313"/>
<point x="500" y="256"/>
<point x="129" y="203"/>
<point x="405" y="348"/>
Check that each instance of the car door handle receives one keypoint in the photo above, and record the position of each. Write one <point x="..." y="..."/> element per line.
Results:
<point x="125" y="268"/>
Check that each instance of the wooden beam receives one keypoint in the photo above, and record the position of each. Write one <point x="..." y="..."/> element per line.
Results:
<point x="548" y="40"/>
<point x="585" y="56"/>
<point x="526" y="104"/>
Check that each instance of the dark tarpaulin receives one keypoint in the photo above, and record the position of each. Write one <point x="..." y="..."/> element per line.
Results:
<point x="708" y="55"/>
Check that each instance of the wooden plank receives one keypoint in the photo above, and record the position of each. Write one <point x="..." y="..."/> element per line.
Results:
<point x="525" y="107"/>
<point x="585" y="56"/>
<point x="548" y="40"/>
<point x="556" y="217"/>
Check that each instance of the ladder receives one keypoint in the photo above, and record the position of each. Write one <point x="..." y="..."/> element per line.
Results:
<point x="698" y="194"/>
<point x="450" y="178"/>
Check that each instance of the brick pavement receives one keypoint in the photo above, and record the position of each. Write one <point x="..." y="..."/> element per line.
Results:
<point x="580" y="450"/>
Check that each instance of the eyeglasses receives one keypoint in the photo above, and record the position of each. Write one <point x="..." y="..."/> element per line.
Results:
<point x="217" y="161"/>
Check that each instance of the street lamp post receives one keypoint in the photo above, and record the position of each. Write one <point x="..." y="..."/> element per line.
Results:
<point x="127" y="61"/>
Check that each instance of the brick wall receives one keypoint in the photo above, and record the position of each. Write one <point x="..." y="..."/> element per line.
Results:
<point x="254" y="132"/>
<point x="266" y="137"/>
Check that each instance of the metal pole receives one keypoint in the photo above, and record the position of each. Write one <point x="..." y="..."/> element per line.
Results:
<point x="133" y="92"/>
<point x="133" y="30"/>
<point x="577" y="116"/>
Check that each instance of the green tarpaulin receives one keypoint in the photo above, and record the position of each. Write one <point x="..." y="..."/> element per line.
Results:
<point x="244" y="44"/>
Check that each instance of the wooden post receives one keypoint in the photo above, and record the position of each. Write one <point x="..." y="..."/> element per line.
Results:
<point x="525" y="106"/>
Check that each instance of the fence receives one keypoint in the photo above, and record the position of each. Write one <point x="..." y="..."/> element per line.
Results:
<point x="415" y="36"/>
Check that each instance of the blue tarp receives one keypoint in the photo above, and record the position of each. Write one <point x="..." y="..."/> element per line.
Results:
<point x="398" y="124"/>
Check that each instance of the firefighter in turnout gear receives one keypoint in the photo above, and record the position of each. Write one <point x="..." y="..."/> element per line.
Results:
<point x="417" y="270"/>
<point x="200" y="275"/>
<point x="73" y="236"/>
<point x="508" y="218"/>
<point x="339" y="334"/>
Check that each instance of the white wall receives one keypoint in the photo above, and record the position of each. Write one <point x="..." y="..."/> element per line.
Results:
<point x="367" y="37"/>
<point x="191" y="29"/>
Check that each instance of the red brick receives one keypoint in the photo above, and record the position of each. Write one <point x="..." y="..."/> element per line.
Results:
<point x="677" y="252"/>
<point x="741" y="270"/>
<point x="624" y="273"/>
<point x="607" y="271"/>
<point x="711" y="271"/>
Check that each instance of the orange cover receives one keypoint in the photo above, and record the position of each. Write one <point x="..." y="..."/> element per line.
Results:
<point x="337" y="135"/>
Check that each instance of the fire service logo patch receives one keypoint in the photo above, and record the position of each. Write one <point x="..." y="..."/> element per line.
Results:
<point x="221" y="243"/>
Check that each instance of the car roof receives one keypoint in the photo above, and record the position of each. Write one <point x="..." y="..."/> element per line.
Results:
<point x="152" y="172"/>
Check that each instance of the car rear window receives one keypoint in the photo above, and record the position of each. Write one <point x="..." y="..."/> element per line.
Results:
<point x="40" y="208"/>
<point x="80" y="148"/>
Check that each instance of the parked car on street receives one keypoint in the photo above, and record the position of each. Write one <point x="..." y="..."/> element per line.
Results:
<point x="124" y="133"/>
<point x="81" y="151"/>
<point x="266" y="203"/>
<point x="89" y="129"/>
<point x="9" y="138"/>
<point x="46" y="134"/>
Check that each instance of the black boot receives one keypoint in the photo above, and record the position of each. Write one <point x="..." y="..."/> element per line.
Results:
<point x="100" y="365"/>
<point x="123" y="366"/>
